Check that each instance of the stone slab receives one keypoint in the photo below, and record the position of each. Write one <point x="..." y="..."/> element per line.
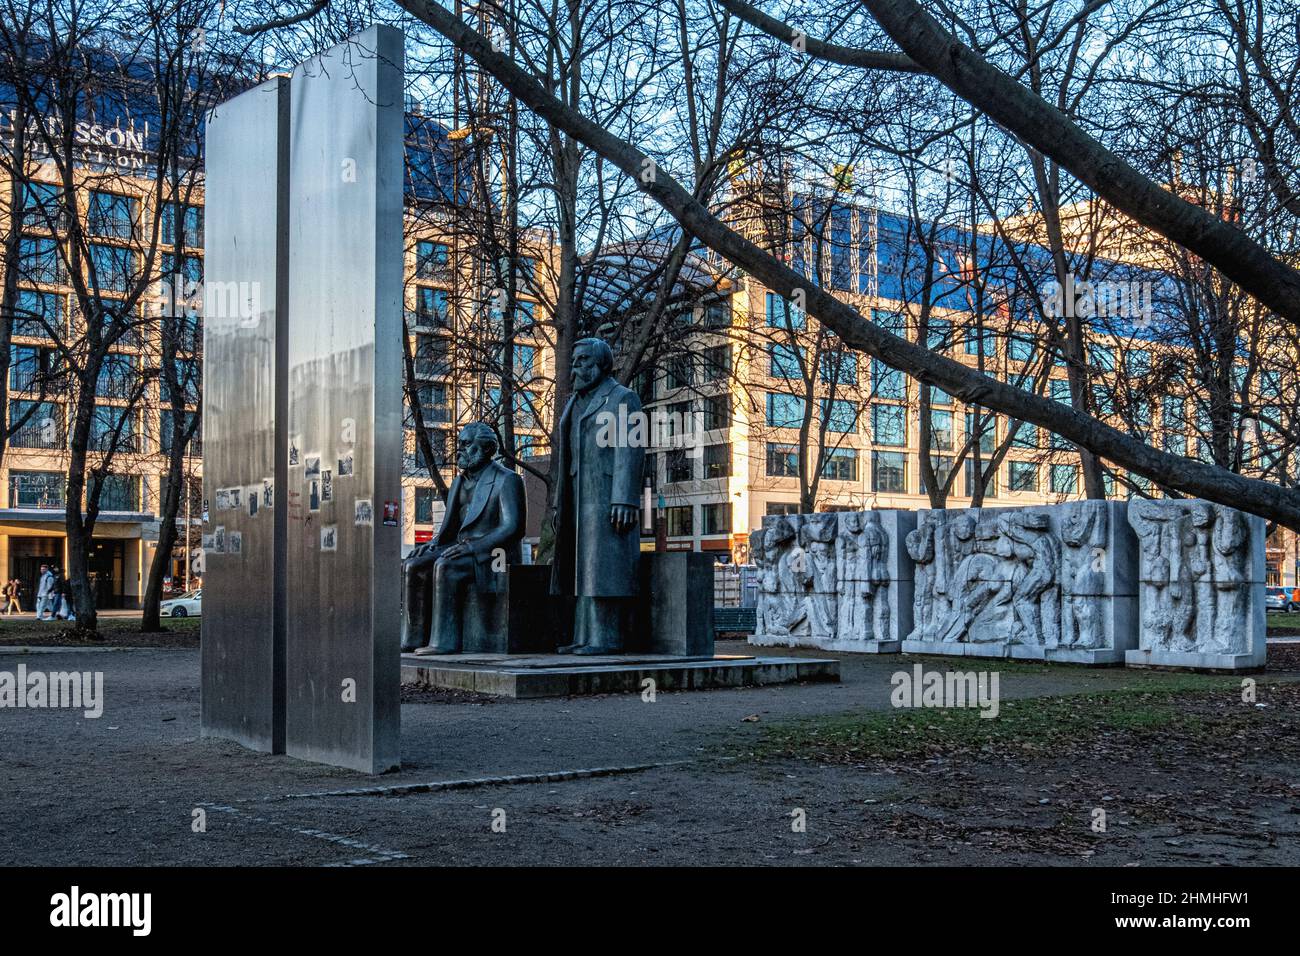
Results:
<point x="676" y="603"/>
<point x="841" y="647"/>
<point x="525" y="619"/>
<point x="1096" y="656"/>
<point x="563" y="675"/>
<point x="992" y="650"/>
<point x="1175" y="660"/>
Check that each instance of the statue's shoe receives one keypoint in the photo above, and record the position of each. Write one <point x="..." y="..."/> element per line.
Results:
<point x="568" y="649"/>
<point x="431" y="650"/>
<point x="590" y="649"/>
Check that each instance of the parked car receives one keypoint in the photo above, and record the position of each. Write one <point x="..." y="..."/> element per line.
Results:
<point x="189" y="604"/>
<point x="1279" y="599"/>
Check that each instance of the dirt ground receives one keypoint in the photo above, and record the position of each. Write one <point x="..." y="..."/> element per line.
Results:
<point x="1080" y="768"/>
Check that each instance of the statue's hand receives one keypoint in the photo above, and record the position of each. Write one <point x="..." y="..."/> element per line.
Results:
<point x="623" y="517"/>
<point x="455" y="551"/>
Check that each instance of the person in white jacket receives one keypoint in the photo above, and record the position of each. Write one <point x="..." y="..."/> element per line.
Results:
<point x="45" y="595"/>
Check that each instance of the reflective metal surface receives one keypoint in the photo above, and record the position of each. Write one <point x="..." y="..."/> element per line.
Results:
<point x="345" y="405"/>
<point x="244" y="428"/>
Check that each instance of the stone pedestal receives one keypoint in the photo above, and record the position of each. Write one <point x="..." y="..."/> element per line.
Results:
<point x="1201" y="586"/>
<point x="675" y="606"/>
<point x="837" y="581"/>
<point x="524" y="618"/>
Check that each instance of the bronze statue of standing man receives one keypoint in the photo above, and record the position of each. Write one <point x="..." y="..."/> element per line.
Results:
<point x="601" y="452"/>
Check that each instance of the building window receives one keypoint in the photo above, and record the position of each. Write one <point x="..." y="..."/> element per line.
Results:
<point x="981" y="342"/>
<point x="525" y="361"/>
<point x="982" y="427"/>
<point x="111" y="215"/>
<point x="431" y="306"/>
<point x="36" y="489"/>
<point x="118" y="492"/>
<point x="840" y="464"/>
<point x="717" y="411"/>
<point x="680" y="466"/>
<point x="717" y="314"/>
<point x="35" y="424"/>
<point x="32" y="368"/>
<point x="431" y="259"/>
<point x="839" y="367"/>
<point x="1023" y="475"/>
<point x="888" y="382"/>
<point x="191" y="225"/>
<point x="717" y="461"/>
<point x="434" y="407"/>
<point x="680" y="521"/>
<point x="1137" y="362"/>
<point x="889" y="471"/>
<point x="716" y="518"/>
<point x="840" y="415"/>
<point x="1103" y="357"/>
<point x="938" y="396"/>
<point x="113" y="267"/>
<point x="786" y="361"/>
<point x="889" y="424"/>
<point x="39" y="260"/>
<point x="430" y="356"/>
<point x="424" y="506"/>
<point x="784" y="411"/>
<point x="715" y="363"/>
<point x="782" y="460"/>
<point x="1025" y="436"/>
<point x="112" y="428"/>
<point x="782" y="315"/>
<point x="41" y="206"/>
<point x="942" y="465"/>
<point x="1020" y="348"/>
<point x="677" y="370"/>
<point x="37" y="313"/>
<point x="782" y="508"/>
<point x="1059" y="390"/>
<point x="165" y="433"/>
<point x="975" y="478"/>
<point x="941" y="429"/>
<point x="187" y="375"/>
<point x="1065" y="479"/>
<point x="895" y="323"/>
<point x="117" y="376"/>
<point x="938" y="335"/>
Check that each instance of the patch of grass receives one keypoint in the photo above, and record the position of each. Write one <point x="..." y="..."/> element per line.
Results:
<point x="1154" y="702"/>
<point x="1274" y="619"/>
<point x="114" y="630"/>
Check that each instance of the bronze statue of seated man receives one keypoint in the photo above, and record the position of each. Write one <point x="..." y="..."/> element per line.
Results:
<point x="479" y="538"/>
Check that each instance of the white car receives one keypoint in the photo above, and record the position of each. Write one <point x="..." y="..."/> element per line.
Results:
<point x="189" y="604"/>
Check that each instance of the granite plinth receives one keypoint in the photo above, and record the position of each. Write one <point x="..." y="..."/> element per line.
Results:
<point x="563" y="675"/>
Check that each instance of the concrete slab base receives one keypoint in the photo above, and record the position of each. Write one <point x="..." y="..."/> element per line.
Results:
<point x="1095" y="656"/>
<point x="1212" y="663"/>
<point x="563" y="675"/>
<point x="839" y="647"/>
<point x="1026" y="652"/>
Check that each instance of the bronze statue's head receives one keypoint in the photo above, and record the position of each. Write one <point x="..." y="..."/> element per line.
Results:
<point x="593" y="360"/>
<point x="475" y="447"/>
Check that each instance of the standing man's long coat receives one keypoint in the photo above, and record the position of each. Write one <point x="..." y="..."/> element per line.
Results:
<point x="591" y="559"/>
